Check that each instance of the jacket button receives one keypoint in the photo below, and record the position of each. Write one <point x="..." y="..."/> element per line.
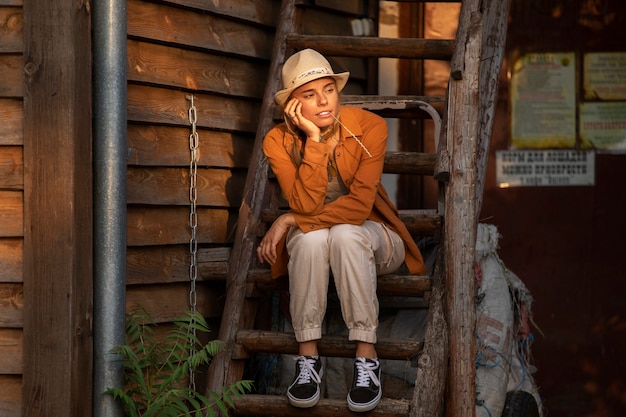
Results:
<point x="312" y="226"/>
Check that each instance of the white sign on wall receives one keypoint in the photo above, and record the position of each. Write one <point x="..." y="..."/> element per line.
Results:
<point x="555" y="167"/>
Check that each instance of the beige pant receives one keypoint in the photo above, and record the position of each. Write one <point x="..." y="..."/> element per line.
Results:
<point x="356" y="255"/>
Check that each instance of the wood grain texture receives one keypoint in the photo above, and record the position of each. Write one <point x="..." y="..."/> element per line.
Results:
<point x="58" y="209"/>
<point x="170" y="225"/>
<point x="11" y="259"/>
<point x="12" y="116"/>
<point x="164" y="106"/>
<point x="167" y="264"/>
<point x="11" y="168"/>
<point x="11" y="27"/>
<point x="170" y="186"/>
<point x="11" y="75"/>
<point x="263" y="12"/>
<point x="11" y="214"/>
<point x="150" y="145"/>
<point x="190" y="29"/>
<point x="164" y="303"/>
<point x="11" y="305"/>
<point x="11" y="348"/>
<point x="10" y="396"/>
<point x="192" y="70"/>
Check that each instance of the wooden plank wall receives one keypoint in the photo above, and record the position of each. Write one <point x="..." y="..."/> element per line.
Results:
<point x="219" y="52"/>
<point x="11" y="207"/>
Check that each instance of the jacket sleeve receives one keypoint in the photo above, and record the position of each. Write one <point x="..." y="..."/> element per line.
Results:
<point x="362" y="181"/>
<point x="305" y="186"/>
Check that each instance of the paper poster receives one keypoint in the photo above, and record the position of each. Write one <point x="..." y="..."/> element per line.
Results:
<point x="604" y="76"/>
<point x="603" y="125"/>
<point x="543" y="100"/>
<point x="540" y="168"/>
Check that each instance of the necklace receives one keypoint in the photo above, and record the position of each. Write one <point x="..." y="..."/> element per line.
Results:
<point x="330" y="131"/>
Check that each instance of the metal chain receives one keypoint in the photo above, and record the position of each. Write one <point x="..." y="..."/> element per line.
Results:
<point x="193" y="225"/>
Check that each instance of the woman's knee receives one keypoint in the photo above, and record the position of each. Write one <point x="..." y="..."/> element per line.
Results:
<point x="344" y="236"/>
<point x="311" y="242"/>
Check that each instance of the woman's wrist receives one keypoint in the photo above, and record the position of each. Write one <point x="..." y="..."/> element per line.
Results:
<point x="287" y="220"/>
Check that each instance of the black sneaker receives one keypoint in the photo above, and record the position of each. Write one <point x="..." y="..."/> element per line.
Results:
<point x="304" y="391"/>
<point x="366" y="387"/>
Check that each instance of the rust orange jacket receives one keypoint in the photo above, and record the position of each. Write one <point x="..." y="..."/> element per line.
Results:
<point x="360" y="166"/>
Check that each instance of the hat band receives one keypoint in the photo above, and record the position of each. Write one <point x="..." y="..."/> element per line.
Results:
<point x="314" y="71"/>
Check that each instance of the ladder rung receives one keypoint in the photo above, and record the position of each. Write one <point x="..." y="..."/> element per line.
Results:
<point x="422" y="1"/>
<point x="260" y="341"/>
<point x="388" y="285"/>
<point x="372" y="47"/>
<point x="393" y="105"/>
<point x="419" y="222"/>
<point x="399" y="107"/>
<point x="278" y="406"/>
<point x="410" y="163"/>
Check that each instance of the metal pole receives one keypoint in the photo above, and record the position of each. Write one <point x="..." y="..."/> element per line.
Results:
<point x="109" y="105"/>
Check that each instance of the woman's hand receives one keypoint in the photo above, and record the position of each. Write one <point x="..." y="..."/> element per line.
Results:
<point x="293" y="110"/>
<point x="266" y="251"/>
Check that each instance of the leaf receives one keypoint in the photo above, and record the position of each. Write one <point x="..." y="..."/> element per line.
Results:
<point x="154" y="369"/>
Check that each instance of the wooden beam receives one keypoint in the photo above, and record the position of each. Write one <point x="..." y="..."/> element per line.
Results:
<point x="237" y="311"/>
<point x="496" y="15"/>
<point x="277" y="406"/>
<point x="329" y="345"/>
<point x="460" y="213"/>
<point x="363" y="46"/>
<point x="58" y="209"/>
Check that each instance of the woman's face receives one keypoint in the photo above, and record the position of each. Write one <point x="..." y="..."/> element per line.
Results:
<point x="320" y="101"/>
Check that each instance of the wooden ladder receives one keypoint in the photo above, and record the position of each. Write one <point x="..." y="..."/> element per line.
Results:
<point x="445" y="357"/>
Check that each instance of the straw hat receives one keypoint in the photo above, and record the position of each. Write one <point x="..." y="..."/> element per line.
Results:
<point x="303" y="67"/>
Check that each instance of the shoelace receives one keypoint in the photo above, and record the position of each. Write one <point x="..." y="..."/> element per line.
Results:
<point x="365" y="373"/>
<point x="307" y="370"/>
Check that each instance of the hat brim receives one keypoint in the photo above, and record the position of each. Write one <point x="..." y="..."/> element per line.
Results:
<point x="341" y="79"/>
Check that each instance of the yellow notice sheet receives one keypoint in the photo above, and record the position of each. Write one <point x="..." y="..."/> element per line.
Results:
<point x="605" y="76"/>
<point x="603" y="125"/>
<point x="543" y="101"/>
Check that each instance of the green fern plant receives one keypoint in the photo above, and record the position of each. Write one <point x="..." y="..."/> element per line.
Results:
<point x="156" y="371"/>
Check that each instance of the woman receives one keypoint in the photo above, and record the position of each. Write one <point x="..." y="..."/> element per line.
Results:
<point x="328" y="160"/>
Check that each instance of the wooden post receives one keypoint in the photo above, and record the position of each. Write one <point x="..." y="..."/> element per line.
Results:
<point x="57" y="209"/>
<point x="238" y="313"/>
<point x="495" y="17"/>
<point x="460" y="213"/>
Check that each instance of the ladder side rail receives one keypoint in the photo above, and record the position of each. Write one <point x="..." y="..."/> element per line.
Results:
<point x="460" y="211"/>
<point x="496" y="14"/>
<point x="432" y="363"/>
<point x="223" y="371"/>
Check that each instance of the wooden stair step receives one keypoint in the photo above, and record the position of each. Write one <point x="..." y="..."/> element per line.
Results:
<point x="422" y="1"/>
<point x="418" y="163"/>
<point x="410" y="163"/>
<point x="418" y="222"/>
<point x="375" y="47"/>
<point x="395" y="106"/>
<point x="260" y="341"/>
<point x="278" y="406"/>
<point x="388" y="285"/>
<point x="398" y="107"/>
